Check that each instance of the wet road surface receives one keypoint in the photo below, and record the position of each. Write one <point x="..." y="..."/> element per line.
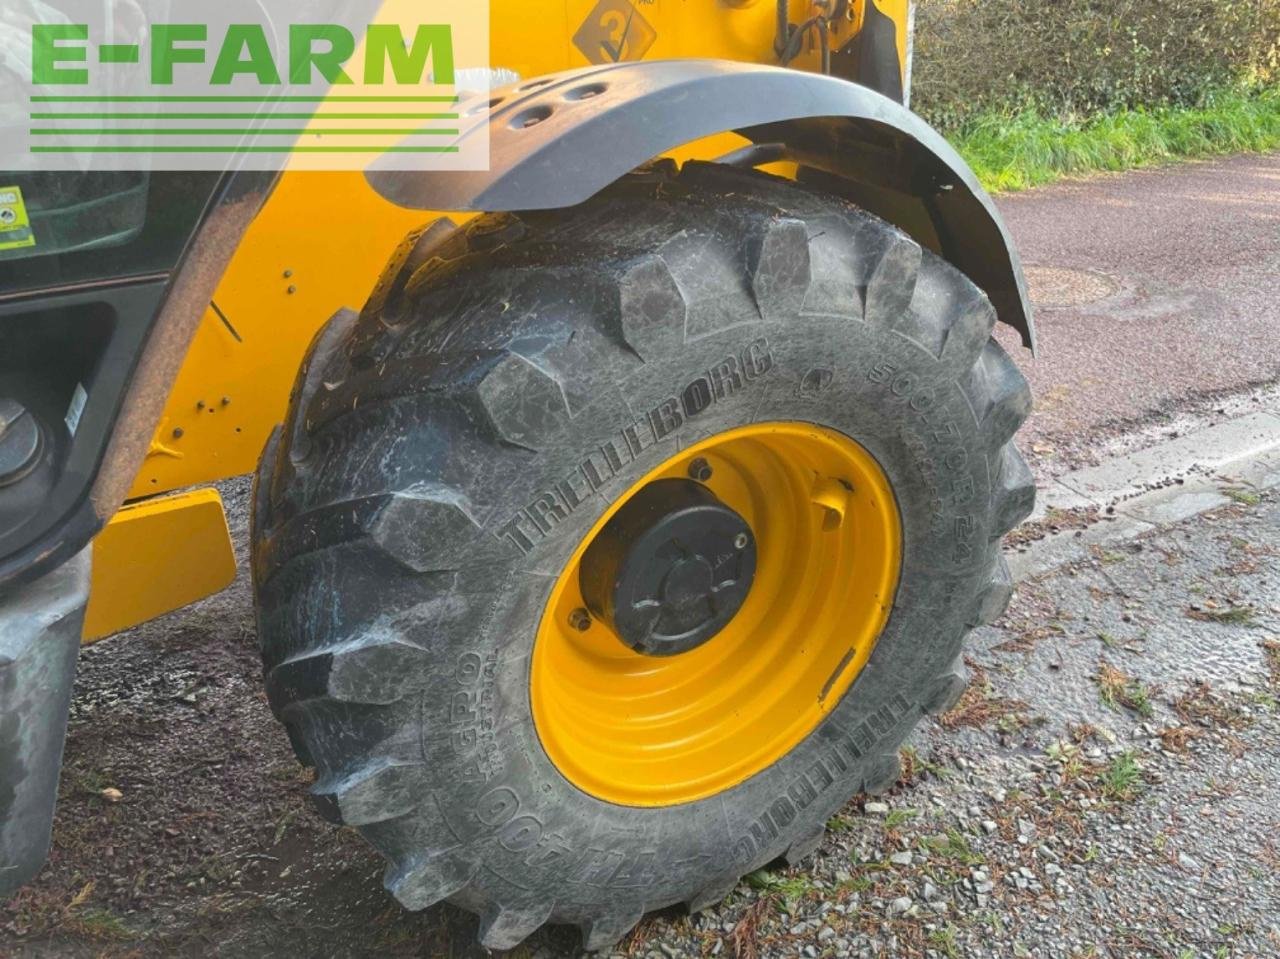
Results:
<point x="1152" y="290"/>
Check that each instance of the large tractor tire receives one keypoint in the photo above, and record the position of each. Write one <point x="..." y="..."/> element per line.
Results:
<point x="610" y="550"/>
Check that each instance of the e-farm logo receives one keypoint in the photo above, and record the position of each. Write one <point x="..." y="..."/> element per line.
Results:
<point x="323" y="48"/>
<point x="333" y="84"/>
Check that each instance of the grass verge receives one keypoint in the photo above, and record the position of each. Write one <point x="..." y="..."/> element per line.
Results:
<point x="1017" y="152"/>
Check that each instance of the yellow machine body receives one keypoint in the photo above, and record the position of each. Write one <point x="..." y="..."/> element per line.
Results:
<point x="156" y="555"/>
<point x="320" y="244"/>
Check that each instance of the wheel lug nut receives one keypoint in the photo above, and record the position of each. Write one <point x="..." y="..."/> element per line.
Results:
<point x="580" y="620"/>
<point x="700" y="470"/>
<point x="740" y="541"/>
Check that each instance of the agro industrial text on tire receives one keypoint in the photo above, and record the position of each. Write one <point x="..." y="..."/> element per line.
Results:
<point x="610" y="550"/>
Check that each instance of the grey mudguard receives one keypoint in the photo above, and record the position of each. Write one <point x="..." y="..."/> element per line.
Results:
<point x="40" y="626"/>
<point x="557" y="140"/>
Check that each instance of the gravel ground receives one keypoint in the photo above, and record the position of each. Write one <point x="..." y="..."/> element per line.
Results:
<point x="1107" y="787"/>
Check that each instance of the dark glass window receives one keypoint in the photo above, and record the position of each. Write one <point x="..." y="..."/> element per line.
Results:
<point x="100" y="226"/>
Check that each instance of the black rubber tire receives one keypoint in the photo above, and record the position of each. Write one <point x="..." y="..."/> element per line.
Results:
<point x="413" y="512"/>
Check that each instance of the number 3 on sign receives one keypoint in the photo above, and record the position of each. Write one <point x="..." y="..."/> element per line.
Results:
<point x="614" y="31"/>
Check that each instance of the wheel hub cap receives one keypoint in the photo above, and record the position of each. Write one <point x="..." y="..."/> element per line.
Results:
<point x="670" y="569"/>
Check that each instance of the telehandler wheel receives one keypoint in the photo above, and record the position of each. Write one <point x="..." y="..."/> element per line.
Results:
<point x="610" y="550"/>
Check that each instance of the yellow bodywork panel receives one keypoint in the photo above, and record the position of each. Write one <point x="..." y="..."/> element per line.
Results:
<point x="323" y="238"/>
<point x="317" y="246"/>
<point x="157" y="555"/>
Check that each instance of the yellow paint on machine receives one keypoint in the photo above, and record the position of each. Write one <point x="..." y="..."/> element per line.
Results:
<point x="323" y="238"/>
<point x="157" y="555"/>
<point x="319" y="245"/>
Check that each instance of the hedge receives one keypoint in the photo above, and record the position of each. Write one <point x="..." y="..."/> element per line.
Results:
<point x="1072" y="58"/>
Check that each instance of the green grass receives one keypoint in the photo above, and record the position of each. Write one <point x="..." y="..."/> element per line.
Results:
<point x="1245" y="497"/>
<point x="898" y="817"/>
<point x="1117" y="689"/>
<point x="839" y="824"/>
<point x="1122" y="779"/>
<point x="789" y="887"/>
<point x="100" y="924"/>
<point x="1029" y="149"/>
<point x="944" y="940"/>
<point x="951" y="845"/>
<point x="855" y="884"/>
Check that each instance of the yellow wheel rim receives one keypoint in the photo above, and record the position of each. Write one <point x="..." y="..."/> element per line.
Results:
<point x="655" y="731"/>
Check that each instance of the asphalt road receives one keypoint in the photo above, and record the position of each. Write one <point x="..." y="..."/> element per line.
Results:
<point x="1155" y="291"/>
<point x="1108" y="787"/>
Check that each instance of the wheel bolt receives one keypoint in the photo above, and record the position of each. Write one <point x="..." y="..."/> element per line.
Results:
<point x="580" y="620"/>
<point x="700" y="470"/>
<point x="740" y="541"/>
